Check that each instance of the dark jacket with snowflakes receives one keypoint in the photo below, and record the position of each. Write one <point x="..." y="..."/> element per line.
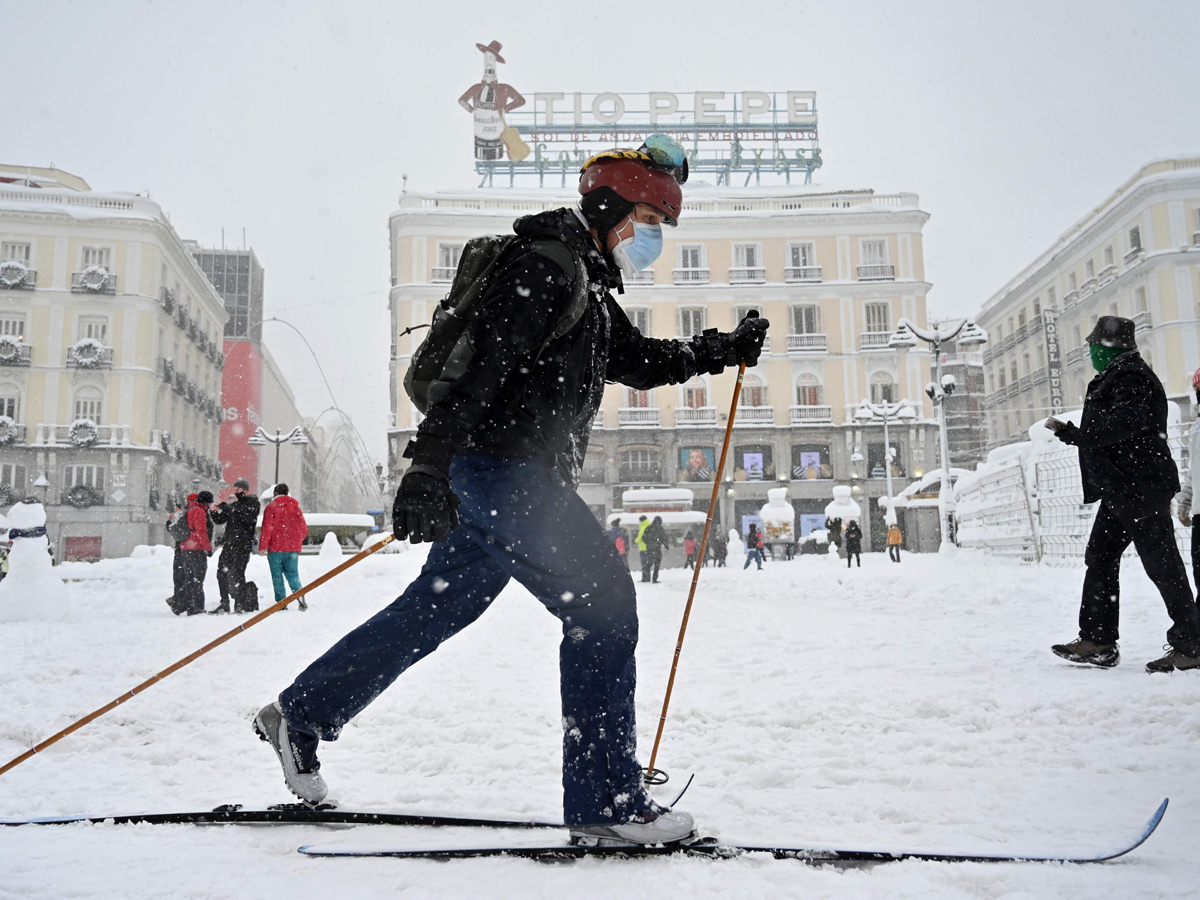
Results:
<point x="1122" y="435"/>
<point x="510" y="406"/>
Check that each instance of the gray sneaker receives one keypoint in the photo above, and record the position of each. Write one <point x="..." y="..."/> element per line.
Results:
<point x="1172" y="660"/>
<point x="297" y="754"/>
<point x="655" y="825"/>
<point x="1082" y="650"/>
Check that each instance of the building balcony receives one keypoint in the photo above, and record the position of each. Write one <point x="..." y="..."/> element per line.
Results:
<point x="89" y="356"/>
<point x="1196" y="238"/>
<point x="94" y="280"/>
<point x="1070" y="298"/>
<point x="1022" y="332"/>
<point x="14" y="353"/>
<point x="1076" y="356"/>
<point x="989" y="354"/>
<point x="801" y="274"/>
<point x="1038" y="376"/>
<point x="876" y="273"/>
<point x="691" y="276"/>
<point x="1087" y="288"/>
<point x="874" y="340"/>
<point x="1010" y="341"/>
<point x="811" y="415"/>
<point x="645" y="276"/>
<point x="443" y="274"/>
<point x="747" y="275"/>
<point x="598" y="421"/>
<point x="755" y="415"/>
<point x="166" y="299"/>
<point x="1141" y="321"/>
<point x="1134" y="256"/>
<point x="638" y="416"/>
<point x="1035" y="324"/>
<point x="16" y="276"/>
<point x="1107" y="274"/>
<point x="106" y="436"/>
<point x="806" y="343"/>
<point x="639" y="475"/>
<point x="702" y="415"/>
<point x="12" y="434"/>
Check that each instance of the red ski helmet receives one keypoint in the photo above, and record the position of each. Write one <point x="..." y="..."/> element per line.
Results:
<point x="635" y="182"/>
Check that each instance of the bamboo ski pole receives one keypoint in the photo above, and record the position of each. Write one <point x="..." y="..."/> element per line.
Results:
<point x="652" y="774"/>
<point x="176" y="666"/>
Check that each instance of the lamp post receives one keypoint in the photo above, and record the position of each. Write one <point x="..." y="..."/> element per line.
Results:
<point x="261" y="438"/>
<point x="888" y="412"/>
<point x="968" y="334"/>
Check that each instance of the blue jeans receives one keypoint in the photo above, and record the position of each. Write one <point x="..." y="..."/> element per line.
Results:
<point x="754" y="555"/>
<point x="285" y="563"/>
<point x="519" y="520"/>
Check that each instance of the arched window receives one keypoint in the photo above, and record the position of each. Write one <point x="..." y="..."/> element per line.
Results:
<point x="808" y="391"/>
<point x="640" y="465"/>
<point x="89" y="403"/>
<point x="695" y="393"/>
<point x="754" y="392"/>
<point x="635" y="399"/>
<point x="883" y="389"/>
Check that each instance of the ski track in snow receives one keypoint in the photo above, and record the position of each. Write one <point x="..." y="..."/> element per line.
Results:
<point x="890" y="706"/>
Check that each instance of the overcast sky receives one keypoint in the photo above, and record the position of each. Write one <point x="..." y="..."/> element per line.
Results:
<point x="295" y="121"/>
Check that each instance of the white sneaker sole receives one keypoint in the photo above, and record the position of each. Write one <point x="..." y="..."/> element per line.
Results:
<point x="310" y="787"/>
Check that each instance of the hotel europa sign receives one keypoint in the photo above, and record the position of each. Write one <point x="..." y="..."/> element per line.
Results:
<point x="729" y="134"/>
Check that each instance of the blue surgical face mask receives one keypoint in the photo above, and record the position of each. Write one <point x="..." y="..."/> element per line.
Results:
<point x="640" y="251"/>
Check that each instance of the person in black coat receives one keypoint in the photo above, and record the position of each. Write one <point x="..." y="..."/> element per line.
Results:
<point x="656" y="541"/>
<point x="853" y="543"/>
<point x="240" y="519"/>
<point x="1127" y="467"/>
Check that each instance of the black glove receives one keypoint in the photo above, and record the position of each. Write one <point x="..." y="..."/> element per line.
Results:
<point x="714" y="351"/>
<point x="424" y="509"/>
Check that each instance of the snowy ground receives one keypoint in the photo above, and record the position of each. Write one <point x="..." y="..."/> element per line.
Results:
<point x="892" y="706"/>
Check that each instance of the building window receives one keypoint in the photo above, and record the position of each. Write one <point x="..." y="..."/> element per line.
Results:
<point x="12" y="251"/>
<point x="691" y="256"/>
<point x="10" y="404"/>
<point x="640" y="319"/>
<point x="1037" y="306"/>
<point x="13" y="326"/>
<point x="754" y="462"/>
<point x="806" y="319"/>
<point x="12" y="477"/>
<point x="1135" y="239"/>
<point x="878" y="318"/>
<point x="640" y="465"/>
<point x="1077" y="335"/>
<point x="876" y="461"/>
<point x="747" y="256"/>
<point x="593" y="468"/>
<point x="89" y="404"/>
<point x="1014" y="372"/>
<point x="1108" y="256"/>
<point x="811" y="461"/>
<point x="1139" y="300"/>
<point x="635" y="399"/>
<point x="874" y="253"/>
<point x="802" y="255"/>
<point x="741" y="311"/>
<point x="1025" y="362"/>
<point x="808" y="391"/>
<point x="1089" y="269"/>
<point x="691" y="321"/>
<point x="448" y="255"/>
<point x="695" y="394"/>
<point x="94" y="327"/>
<point x="1003" y="377"/>
<point x="1021" y="319"/>
<point x="754" y="392"/>
<point x="97" y="256"/>
<point x="1072" y="282"/>
<point x="1051" y="297"/>
<point x="883" y="389"/>
<point x="92" y="476"/>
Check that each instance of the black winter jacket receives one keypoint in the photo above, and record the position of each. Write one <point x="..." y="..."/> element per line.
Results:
<point x="1123" y="450"/>
<point x="240" y="519"/>
<point x="655" y="538"/>
<point x="853" y="538"/>
<point x="558" y="399"/>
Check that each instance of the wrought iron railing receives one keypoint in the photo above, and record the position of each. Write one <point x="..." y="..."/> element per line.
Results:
<point x="638" y="415"/>
<point x="691" y="276"/>
<point x="876" y="273"/>
<point x="811" y="415"/>
<point x="800" y="274"/>
<point x="806" y="343"/>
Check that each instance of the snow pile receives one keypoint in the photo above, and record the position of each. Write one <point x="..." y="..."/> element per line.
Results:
<point x="843" y="507"/>
<point x="331" y="551"/>
<point x="778" y="518"/>
<point x="33" y="589"/>
<point x="737" y="547"/>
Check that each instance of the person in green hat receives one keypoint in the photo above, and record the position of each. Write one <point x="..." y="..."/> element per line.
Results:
<point x="1127" y="467"/>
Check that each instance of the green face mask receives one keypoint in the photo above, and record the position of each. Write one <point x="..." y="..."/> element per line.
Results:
<point x="1102" y="356"/>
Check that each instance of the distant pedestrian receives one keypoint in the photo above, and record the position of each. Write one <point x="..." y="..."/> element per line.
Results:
<point x="1126" y="466"/>
<point x="720" y="548"/>
<point x="689" y="549"/>
<point x="177" y="515"/>
<point x="640" y="542"/>
<point x="194" y="552"/>
<point x="240" y="519"/>
<point x="1187" y="504"/>
<point x="616" y="534"/>
<point x="656" y="540"/>
<point x="283" y="533"/>
<point x="853" y="543"/>
<point x="753" y="547"/>
<point x="894" y="540"/>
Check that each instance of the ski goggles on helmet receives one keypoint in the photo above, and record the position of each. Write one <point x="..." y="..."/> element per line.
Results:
<point x="659" y="151"/>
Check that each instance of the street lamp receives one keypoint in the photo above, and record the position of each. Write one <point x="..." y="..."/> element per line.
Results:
<point x="969" y="335"/>
<point x="888" y="412"/>
<point x="260" y="438"/>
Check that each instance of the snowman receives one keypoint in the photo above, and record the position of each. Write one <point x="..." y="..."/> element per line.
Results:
<point x="840" y="512"/>
<point x="32" y="589"/>
<point x="779" y="520"/>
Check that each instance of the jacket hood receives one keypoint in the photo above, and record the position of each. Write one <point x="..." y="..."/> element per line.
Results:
<point x="285" y="500"/>
<point x="567" y="226"/>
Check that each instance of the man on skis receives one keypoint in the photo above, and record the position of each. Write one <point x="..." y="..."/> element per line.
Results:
<point x="1126" y="465"/>
<point x="492" y="481"/>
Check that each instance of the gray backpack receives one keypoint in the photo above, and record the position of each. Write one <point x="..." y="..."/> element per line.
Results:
<point x="178" y="527"/>
<point x="444" y="355"/>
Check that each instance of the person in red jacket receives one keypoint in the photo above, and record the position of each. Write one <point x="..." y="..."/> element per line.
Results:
<point x="283" y="533"/>
<point x="193" y="555"/>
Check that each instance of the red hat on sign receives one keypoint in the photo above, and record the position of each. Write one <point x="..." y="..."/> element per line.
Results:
<point x="492" y="48"/>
